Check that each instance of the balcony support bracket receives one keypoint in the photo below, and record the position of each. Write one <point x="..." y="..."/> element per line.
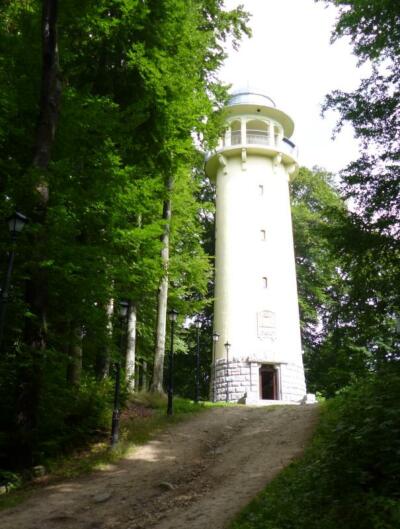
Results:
<point x="277" y="160"/>
<point x="244" y="159"/>
<point x="223" y="163"/>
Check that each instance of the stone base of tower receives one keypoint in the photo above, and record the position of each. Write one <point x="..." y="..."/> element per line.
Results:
<point x="249" y="382"/>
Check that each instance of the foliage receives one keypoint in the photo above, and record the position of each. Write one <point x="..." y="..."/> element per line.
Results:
<point x="358" y="331"/>
<point x="373" y="109"/>
<point x="349" y="475"/>
<point x="139" y="98"/>
<point x="318" y="214"/>
<point x="346" y="273"/>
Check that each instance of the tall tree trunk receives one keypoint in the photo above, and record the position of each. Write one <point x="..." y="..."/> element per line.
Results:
<point x="35" y="332"/>
<point x="137" y="375"/>
<point x="103" y="355"/>
<point x="74" y="370"/>
<point x="131" y="348"/>
<point x="144" y="385"/>
<point x="158" y="370"/>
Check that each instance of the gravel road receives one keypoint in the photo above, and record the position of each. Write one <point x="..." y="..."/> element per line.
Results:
<point x="196" y="475"/>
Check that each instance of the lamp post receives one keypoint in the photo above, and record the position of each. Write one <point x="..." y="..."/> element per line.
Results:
<point x="197" y="389"/>
<point x="16" y="223"/>
<point x="227" y="346"/>
<point x="172" y="315"/>
<point x="215" y="340"/>
<point x="123" y="312"/>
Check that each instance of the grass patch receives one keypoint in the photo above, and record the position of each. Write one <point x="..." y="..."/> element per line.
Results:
<point x="143" y="417"/>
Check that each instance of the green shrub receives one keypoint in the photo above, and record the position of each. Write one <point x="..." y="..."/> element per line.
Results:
<point x="9" y="480"/>
<point x="69" y="417"/>
<point x="350" y="476"/>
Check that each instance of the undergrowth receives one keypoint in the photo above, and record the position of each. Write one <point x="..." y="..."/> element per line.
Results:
<point x="350" y="475"/>
<point x="143" y="416"/>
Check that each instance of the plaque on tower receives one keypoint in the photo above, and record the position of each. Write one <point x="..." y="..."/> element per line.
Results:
<point x="266" y="325"/>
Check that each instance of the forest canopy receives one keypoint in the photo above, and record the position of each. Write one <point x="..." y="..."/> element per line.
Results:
<point x="99" y="103"/>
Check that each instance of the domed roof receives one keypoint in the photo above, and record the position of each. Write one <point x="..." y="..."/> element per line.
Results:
<point x="250" y="96"/>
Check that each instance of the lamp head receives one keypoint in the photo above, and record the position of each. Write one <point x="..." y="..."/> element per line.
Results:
<point x="172" y="315"/>
<point x="215" y="337"/>
<point x="123" y="308"/>
<point x="16" y="222"/>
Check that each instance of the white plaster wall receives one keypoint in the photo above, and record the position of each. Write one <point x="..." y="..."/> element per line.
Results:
<point x="243" y="259"/>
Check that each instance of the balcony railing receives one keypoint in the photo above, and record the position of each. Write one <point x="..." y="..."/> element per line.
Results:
<point x="263" y="137"/>
<point x="258" y="137"/>
<point x="236" y="137"/>
<point x="253" y="137"/>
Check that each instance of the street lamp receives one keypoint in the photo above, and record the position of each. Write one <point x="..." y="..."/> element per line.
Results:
<point x="227" y="346"/>
<point x="16" y="223"/>
<point x="198" y="327"/>
<point x="215" y="340"/>
<point x="172" y="315"/>
<point x="123" y="312"/>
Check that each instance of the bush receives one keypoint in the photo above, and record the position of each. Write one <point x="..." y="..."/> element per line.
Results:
<point x="68" y="418"/>
<point x="350" y="475"/>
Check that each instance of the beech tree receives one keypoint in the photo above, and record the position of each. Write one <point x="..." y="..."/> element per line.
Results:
<point x="345" y="280"/>
<point x="372" y="109"/>
<point x="371" y="182"/>
<point x="138" y="85"/>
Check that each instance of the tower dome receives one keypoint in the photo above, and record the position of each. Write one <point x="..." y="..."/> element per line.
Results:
<point x="250" y="96"/>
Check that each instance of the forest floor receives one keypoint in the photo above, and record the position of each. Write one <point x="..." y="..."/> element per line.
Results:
<point x="197" y="474"/>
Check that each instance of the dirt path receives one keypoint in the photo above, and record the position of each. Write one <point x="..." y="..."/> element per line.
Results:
<point x="196" y="475"/>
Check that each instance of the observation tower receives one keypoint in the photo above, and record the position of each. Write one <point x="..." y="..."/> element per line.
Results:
<point x="258" y="356"/>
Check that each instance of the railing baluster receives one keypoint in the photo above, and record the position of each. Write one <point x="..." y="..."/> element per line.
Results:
<point x="262" y="137"/>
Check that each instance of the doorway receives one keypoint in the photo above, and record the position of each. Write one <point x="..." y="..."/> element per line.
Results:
<point x="268" y="383"/>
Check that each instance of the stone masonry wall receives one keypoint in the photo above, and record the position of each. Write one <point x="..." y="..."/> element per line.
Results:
<point x="233" y="381"/>
<point x="293" y="383"/>
<point x="239" y="382"/>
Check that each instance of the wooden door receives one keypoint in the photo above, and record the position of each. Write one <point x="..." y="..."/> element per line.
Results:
<point x="268" y="383"/>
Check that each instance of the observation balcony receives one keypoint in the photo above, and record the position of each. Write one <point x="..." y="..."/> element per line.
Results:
<point x="266" y="139"/>
<point x="260" y="137"/>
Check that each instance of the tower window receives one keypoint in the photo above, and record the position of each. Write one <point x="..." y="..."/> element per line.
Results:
<point x="263" y="235"/>
<point x="264" y="282"/>
<point x="261" y="190"/>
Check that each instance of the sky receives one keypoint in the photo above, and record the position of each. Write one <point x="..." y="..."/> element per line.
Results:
<point x="291" y="59"/>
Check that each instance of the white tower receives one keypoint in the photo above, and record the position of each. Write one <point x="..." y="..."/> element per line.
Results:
<point x="256" y="305"/>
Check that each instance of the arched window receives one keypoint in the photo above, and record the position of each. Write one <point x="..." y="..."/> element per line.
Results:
<point x="236" y="134"/>
<point x="264" y="282"/>
<point x="257" y="132"/>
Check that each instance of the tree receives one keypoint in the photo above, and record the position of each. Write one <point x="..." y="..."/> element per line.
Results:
<point x="371" y="239"/>
<point x="373" y="109"/>
<point x="345" y="277"/>
<point x="139" y="85"/>
<point x="35" y="332"/>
